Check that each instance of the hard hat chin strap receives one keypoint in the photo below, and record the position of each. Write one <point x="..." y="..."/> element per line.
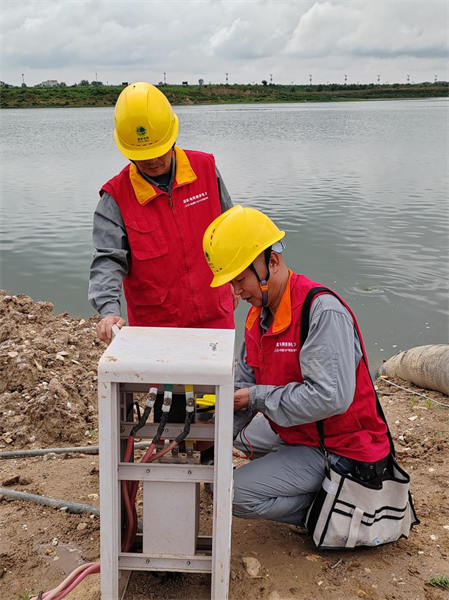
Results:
<point x="263" y="282"/>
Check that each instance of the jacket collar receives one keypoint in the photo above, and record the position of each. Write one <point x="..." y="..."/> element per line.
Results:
<point x="144" y="191"/>
<point x="283" y="316"/>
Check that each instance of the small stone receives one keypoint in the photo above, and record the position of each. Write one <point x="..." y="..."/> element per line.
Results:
<point x="252" y="566"/>
<point x="13" y="354"/>
<point x="431" y="470"/>
<point x="433" y="537"/>
<point x="274" y="596"/>
<point x="233" y="574"/>
<point x="81" y="526"/>
<point x="320" y="582"/>
<point x="59" y="357"/>
<point x="49" y="552"/>
<point x="63" y="509"/>
<point x="362" y="594"/>
<point x="38" y="366"/>
<point x="420" y="552"/>
<point x="82" y="322"/>
<point x="56" y="557"/>
<point x="54" y="541"/>
<point x="295" y="591"/>
<point x="313" y="557"/>
<point x="63" y="353"/>
<point x="93" y="496"/>
<point x="445" y="526"/>
<point x="413" y="418"/>
<point x="367" y="570"/>
<point x="92" y="517"/>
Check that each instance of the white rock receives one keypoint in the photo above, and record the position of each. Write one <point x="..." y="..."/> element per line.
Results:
<point x="252" y="566"/>
<point x="81" y="526"/>
<point x="413" y="418"/>
<point x="13" y="354"/>
<point x="54" y="541"/>
<point x="274" y="596"/>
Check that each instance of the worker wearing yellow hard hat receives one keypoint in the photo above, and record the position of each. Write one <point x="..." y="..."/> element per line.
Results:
<point x="149" y="224"/>
<point x="301" y="362"/>
<point x="146" y="127"/>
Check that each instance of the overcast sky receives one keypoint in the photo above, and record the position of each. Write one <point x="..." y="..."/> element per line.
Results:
<point x="70" y="40"/>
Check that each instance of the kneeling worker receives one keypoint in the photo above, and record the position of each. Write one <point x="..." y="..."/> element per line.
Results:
<point x="301" y="362"/>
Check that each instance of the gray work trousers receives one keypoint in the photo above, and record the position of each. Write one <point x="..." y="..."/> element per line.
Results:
<point x="281" y="482"/>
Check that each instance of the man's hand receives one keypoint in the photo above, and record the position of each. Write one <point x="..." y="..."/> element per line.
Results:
<point x="241" y="399"/>
<point x="104" y="328"/>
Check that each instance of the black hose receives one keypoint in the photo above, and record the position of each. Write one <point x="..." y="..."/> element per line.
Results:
<point x="72" y="507"/>
<point x="74" y="450"/>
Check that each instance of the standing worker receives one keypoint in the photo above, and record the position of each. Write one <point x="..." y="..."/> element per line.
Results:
<point x="149" y="224"/>
<point x="301" y="362"/>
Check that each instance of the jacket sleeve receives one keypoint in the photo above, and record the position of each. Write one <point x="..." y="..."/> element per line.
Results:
<point x="225" y="199"/>
<point x="110" y="259"/>
<point x="243" y="378"/>
<point x="328" y="361"/>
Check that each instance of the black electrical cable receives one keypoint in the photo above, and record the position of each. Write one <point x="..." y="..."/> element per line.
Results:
<point x="142" y="421"/>
<point x="160" y="429"/>
<point x="185" y="432"/>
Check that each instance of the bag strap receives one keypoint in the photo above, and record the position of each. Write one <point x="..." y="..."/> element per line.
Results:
<point x="304" y="332"/>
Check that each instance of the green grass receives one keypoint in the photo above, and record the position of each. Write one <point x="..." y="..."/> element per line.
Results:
<point x="441" y="582"/>
<point x="19" y="97"/>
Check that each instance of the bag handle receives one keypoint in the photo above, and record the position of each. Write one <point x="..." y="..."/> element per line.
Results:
<point x="304" y="332"/>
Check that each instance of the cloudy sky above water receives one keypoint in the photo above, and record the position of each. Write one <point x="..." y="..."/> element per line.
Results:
<point x="70" y="40"/>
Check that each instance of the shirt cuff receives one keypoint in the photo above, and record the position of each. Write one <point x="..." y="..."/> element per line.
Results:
<point x="111" y="309"/>
<point x="257" y="396"/>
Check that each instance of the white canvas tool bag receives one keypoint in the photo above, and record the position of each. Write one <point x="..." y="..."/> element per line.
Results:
<point x="348" y="512"/>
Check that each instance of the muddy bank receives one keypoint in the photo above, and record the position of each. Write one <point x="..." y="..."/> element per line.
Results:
<point x="48" y="397"/>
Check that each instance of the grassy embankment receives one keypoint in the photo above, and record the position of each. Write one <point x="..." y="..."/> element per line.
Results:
<point x="219" y="94"/>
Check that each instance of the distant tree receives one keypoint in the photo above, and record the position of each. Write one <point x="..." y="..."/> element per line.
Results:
<point x="24" y="84"/>
<point x="264" y="82"/>
<point x="201" y="81"/>
<point x="84" y="82"/>
<point x="96" y="83"/>
<point x="63" y="84"/>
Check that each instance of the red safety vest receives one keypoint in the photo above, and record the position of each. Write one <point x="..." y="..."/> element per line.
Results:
<point x="359" y="433"/>
<point x="168" y="284"/>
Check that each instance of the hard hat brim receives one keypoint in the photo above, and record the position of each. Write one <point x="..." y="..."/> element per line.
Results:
<point x="223" y="278"/>
<point x="144" y="153"/>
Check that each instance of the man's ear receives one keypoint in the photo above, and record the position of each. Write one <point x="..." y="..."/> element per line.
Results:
<point x="274" y="262"/>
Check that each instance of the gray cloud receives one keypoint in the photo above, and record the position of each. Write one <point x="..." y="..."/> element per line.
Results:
<point x="191" y="39"/>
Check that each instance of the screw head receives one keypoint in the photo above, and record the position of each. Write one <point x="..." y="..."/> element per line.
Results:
<point x="148" y="471"/>
<point x="188" y="562"/>
<point x="122" y="429"/>
<point x="189" y="472"/>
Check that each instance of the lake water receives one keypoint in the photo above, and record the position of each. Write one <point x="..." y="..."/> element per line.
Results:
<point x="361" y="189"/>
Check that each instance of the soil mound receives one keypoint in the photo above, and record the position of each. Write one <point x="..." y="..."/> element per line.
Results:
<point x="48" y="383"/>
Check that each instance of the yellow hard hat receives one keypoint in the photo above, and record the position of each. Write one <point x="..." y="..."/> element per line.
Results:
<point x="235" y="239"/>
<point x="145" y="125"/>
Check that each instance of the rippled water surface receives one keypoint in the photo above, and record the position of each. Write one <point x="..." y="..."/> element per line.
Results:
<point x="361" y="189"/>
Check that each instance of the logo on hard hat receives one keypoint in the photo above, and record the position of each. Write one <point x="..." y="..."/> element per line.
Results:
<point x="141" y="130"/>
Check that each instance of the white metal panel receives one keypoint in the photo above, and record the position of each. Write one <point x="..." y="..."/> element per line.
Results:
<point x="109" y="442"/>
<point x="170" y="518"/>
<point x="169" y="355"/>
